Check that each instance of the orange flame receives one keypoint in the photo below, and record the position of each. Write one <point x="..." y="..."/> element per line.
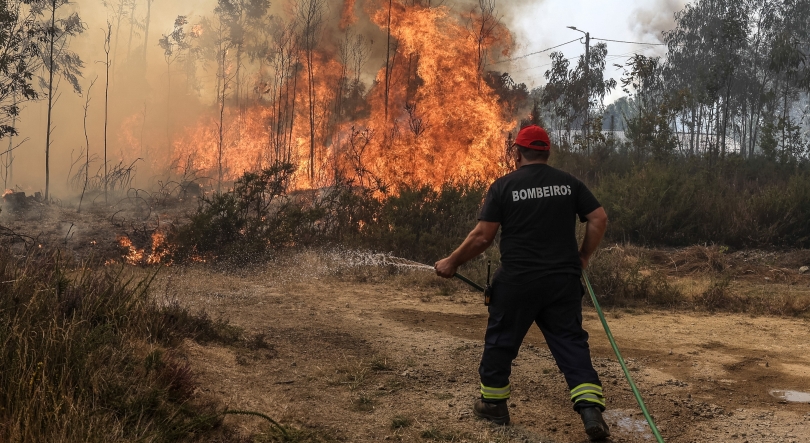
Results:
<point x="347" y="17"/>
<point x="137" y="256"/>
<point x="439" y="122"/>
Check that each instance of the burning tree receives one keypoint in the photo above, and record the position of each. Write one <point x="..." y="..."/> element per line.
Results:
<point x="441" y="118"/>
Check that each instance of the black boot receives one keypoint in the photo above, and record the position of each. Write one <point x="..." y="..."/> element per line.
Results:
<point x="595" y="425"/>
<point x="497" y="413"/>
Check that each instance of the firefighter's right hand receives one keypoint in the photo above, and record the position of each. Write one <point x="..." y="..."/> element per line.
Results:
<point x="445" y="268"/>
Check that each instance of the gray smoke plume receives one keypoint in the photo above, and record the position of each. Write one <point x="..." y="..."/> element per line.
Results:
<point x="651" y="21"/>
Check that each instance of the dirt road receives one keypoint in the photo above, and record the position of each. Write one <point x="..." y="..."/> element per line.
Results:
<point x="367" y="358"/>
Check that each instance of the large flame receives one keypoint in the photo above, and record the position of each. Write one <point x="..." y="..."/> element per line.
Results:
<point x="442" y="122"/>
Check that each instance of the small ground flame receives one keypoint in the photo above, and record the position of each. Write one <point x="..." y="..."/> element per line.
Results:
<point x="136" y="256"/>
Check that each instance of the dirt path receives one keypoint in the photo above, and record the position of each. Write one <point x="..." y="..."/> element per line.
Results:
<point x="386" y="360"/>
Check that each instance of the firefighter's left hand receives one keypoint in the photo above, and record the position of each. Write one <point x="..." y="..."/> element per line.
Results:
<point x="445" y="268"/>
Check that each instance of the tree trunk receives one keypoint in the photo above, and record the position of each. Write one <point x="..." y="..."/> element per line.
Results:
<point x="50" y="101"/>
<point x="131" y="28"/>
<point x="86" y="147"/>
<point x="106" y="106"/>
<point x="146" y="33"/>
<point x="388" y="61"/>
<point x="292" y="111"/>
<point x="311" y="94"/>
<point x="726" y="111"/>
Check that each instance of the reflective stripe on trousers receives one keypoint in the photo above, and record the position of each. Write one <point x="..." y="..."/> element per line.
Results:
<point x="588" y="393"/>
<point x="488" y="393"/>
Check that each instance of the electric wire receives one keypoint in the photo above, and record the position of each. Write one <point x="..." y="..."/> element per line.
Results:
<point x="533" y="53"/>
<point x="624" y="41"/>
<point x="621" y="360"/>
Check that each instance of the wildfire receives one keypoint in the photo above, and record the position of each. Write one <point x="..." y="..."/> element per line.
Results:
<point x="428" y="117"/>
<point x="137" y="256"/>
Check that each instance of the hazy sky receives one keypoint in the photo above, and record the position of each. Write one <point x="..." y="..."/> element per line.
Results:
<point x="542" y="24"/>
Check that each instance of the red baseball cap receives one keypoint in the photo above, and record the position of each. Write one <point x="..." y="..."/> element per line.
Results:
<point x="533" y="137"/>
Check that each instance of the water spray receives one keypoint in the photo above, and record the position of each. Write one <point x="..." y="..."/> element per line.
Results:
<point x="390" y="260"/>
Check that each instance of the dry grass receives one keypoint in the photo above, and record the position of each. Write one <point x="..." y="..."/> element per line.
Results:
<point x="704" y="278"/>
<point x="87" y="355"/>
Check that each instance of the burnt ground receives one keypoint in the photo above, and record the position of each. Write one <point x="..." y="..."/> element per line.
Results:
<point x="365" y="356"/>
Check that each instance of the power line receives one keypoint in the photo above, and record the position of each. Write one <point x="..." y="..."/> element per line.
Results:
<point x="608" y="58"/>
<point x="533" y="53"/>
<point x="633" y="43"/>
<point x="543" y="65"/>
<point x="568" y="42"/>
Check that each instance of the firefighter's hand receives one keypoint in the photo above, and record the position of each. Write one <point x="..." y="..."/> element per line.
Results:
<point x="445" y="268"/>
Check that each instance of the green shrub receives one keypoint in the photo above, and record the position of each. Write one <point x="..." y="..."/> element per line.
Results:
<point x="255" y="217"/>
<point x="673" y="202"/>
<point x="683" y="204"/>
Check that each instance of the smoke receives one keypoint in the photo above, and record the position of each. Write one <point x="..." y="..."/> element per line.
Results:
<point x="135" y="93"/>
<point x="650" y="22"/>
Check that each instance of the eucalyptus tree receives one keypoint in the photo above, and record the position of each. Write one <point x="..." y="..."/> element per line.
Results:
<point x="176" y="45"/>
<point x="147" y="21"/>
<point x="216" y="45"/>
<point x="244" y="20"/>
<point x="57" y="60"/>
<point x="740" y="69"/>
<point x="310" y="18"/>
<point x="566" y="89"/>
<point x="118" y="11"/>
<point x="21" y="31"/>
<point x="283" y="57"/>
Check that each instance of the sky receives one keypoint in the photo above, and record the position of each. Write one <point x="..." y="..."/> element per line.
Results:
<point x="542" y="24"/>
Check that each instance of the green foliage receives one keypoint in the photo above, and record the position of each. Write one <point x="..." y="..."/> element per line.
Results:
<point x="570" y="94"/>
<point x="422" y="223"/>
<point x="87" y="356"/>
<point x="24" y="34"/>
<point x="679" y="204"/>
<point x="255" y="217"/>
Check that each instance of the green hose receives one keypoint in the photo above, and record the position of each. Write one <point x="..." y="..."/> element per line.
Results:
<point x="469" y="282"/>
<point x="621" y="361"/>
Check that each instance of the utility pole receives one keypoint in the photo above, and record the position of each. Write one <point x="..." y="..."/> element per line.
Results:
<point x="586" y="129"/>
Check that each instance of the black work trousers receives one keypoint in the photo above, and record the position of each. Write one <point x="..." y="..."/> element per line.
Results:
<point x="553" y="302"/>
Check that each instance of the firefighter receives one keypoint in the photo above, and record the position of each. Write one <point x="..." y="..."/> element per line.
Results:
<point x="536" y="207"/>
